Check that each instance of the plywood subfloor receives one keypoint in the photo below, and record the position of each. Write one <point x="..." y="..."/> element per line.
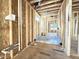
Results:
<point x="74" y="47"/>
<point x="42" y="51"/>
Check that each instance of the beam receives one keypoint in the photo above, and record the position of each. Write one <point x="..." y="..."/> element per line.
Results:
<point x="74" y="0"/>
<point x="49" y="6"/>
<point x="53" y="15"/>
<point x="27" y="37"/>
<point x="51" y="2"/>
<point x="34" y="1"/>
<point x="78" y="44"/>
<point x="10" y="28"/>
<point x="52" y="11"/>
<point x="68" y="28"/>
<point x="20" y="24"/>
<point x="75" y="4"/>
<point x="49" y="14"/>
<point x="49" y="10"/>
<point x="75" y="9"/>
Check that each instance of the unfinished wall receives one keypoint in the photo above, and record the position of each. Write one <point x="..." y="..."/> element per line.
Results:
<point x="34" y="26"/>
<point x="44" y="23"/>
<point x="15" y="24"/>
<point x="78" y="23"/>
<point x="4" y="25"/>
<point x="63" y="18"/>
<point x="24" y="24"/>
<point x="29" y="24"/>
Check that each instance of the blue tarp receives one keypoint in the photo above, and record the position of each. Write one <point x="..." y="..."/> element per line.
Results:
<point x="50" y="39"/>
<point x="54" y="40"/>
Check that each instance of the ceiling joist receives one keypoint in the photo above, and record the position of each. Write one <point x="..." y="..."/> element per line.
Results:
<point x="58" y="6"/>
<point x="49" y="10"/>
<point x="75" y="4"/>
<point x="49" y="6"/>
<point x="74" y="0"/>
<point x="50" y="2"/>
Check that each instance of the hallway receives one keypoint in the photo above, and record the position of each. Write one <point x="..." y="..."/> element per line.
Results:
<point x="39" y="29"/>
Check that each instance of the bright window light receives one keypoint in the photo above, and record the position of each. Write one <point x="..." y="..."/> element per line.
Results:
<point x="37" y="18"/>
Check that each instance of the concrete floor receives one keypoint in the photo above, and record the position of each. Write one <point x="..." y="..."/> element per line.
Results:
<point x="43" y="51"/>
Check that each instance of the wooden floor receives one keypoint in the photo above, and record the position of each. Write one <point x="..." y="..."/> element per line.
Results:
<point x="74" y="47"/>
<point x="42" y="51"/>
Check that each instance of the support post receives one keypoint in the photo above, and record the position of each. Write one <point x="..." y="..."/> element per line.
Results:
<point x="78" y="44"/>
<point x="26" y="24"/>
<point x="10" y="26"/>
<point x="68" y="26"/>
<point x="78" y="34"/>
<point x="20" y="24"/>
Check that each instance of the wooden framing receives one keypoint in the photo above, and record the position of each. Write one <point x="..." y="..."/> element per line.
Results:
<point x="10" y="24"/>
<point x="30" y="25"/>
<point x="51" y="2"/>
<point x="78" y="34"/>
<point x="78" y="44"/>
<point x="68" y="27"/>
<point x="20" y="24"/>
<point x="49" y="6"/>
<point x="27" y="38"/>
<point x="76" y="28"/>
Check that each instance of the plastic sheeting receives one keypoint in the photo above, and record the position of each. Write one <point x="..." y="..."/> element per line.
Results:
<point x="50" y="38"/>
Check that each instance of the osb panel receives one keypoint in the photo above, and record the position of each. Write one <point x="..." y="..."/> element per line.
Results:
<point x="15" y="23"/>
<point x="24" y="24"/>
<point x="4" y="25"/>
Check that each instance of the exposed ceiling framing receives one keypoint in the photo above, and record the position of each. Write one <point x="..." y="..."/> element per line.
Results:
<point x="75" y="5"/>
<point x="52" y="6"/>
<point x="48" y="6"/>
